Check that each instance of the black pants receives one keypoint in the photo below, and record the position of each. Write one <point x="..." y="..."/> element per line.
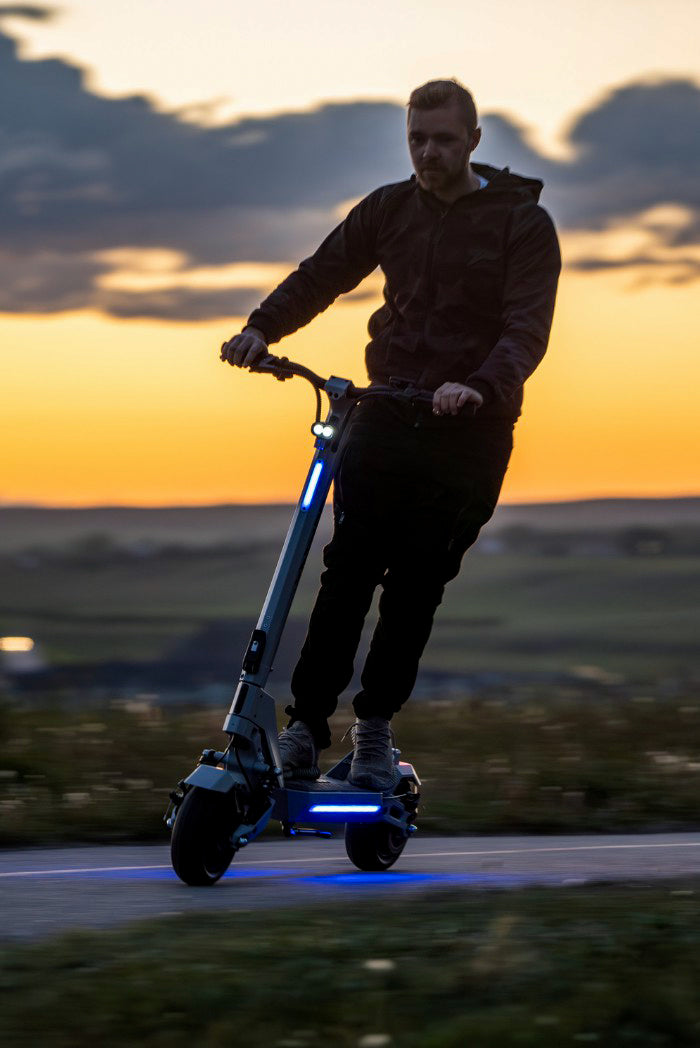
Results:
<point x="410" y="497"/>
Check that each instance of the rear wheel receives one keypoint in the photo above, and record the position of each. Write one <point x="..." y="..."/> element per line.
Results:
<point x="373" y="845"/>
<point x="201" y="848"/>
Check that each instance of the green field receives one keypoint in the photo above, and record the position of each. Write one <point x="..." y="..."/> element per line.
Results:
<point x="540" y="968"/>
<point x="510" y="612"/>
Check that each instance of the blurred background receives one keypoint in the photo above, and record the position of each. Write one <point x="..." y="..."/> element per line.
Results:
<point x="163" y="166"/>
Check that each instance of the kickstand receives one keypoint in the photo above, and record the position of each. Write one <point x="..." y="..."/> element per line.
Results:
<point x="290" y="830"/>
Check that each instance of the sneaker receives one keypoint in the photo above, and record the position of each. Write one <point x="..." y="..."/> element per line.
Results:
<point x="372" y="765"/>
<point x="299" y="752"/>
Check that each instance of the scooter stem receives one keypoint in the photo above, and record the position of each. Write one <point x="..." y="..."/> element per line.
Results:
<point x="262" y="648"/>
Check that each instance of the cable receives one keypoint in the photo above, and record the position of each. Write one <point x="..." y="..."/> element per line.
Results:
<point x="243" y="772"/>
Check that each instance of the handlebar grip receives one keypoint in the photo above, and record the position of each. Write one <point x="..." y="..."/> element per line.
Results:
<point x="409" y="389"/>
<point x="406" y="387"/>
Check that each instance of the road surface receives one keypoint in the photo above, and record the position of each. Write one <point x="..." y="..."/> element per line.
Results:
<point x="44" y="891"/>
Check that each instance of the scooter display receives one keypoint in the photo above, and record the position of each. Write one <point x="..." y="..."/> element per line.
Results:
<point x="231" y="795"/>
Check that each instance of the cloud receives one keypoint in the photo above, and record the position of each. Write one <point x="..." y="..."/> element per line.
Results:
<point x="185" y="304"/>
<point x="638" y="147"/>
<point x="636" y="150"/>
<point x="34" y="12"/>
<point x="681" y="270"/>
<point x="82" y="176"/>
<point x="46" y="281"/>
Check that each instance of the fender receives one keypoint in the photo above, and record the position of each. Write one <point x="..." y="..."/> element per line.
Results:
<point x="218" y="779"/>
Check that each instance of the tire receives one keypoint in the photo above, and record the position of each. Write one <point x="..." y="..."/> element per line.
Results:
<point x="200" y="847"/>
<point x="373" y="846"/>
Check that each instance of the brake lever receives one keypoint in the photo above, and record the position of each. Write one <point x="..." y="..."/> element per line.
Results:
<point x="277" y="366"/>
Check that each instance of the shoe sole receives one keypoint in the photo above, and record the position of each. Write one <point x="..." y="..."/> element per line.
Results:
<point x="372" y="784"/>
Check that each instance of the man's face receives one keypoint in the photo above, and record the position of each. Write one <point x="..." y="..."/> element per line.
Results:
<point x="440" y="144"/>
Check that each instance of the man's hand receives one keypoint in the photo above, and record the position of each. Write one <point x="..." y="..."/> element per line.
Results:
<point x="451" y="397"/>
<point x="245" y="349"/>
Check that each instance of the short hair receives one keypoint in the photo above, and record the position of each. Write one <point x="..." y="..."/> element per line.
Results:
<point x="438" y="93"/>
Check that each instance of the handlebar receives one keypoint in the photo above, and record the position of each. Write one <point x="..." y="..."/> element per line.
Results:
<point x="283" y="368"/>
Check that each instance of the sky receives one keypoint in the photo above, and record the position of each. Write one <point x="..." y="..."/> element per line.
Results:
<point x="163" y="165"/>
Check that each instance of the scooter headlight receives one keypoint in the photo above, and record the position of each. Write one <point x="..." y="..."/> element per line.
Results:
<point x="322" y="429"/>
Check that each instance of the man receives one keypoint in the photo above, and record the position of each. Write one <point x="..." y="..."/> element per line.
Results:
<point x="471" y="264"/>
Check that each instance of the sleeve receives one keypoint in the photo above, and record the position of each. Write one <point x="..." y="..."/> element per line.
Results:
<point x="533" y="263"/>
<point x="346" y="256"/>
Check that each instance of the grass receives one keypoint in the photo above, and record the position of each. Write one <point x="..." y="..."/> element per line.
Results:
<point x="544" y="761"/>
<point x="540" y="968"/>
<point x="519" y="612"/>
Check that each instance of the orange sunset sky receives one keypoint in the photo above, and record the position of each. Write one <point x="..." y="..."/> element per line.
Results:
<point x="140" y="225"/>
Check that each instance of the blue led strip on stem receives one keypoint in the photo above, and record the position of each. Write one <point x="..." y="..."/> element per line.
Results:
<point x="312" y="485"/>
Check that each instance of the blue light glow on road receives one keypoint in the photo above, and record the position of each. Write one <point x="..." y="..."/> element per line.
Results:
<point x="302" y="876"/>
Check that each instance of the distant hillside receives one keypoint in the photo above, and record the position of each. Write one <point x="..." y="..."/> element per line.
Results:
<point x="600" y="514"/>
<point x="26" y="526"/>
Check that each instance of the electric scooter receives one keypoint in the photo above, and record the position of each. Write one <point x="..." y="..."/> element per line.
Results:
<point x="231" y="795"/>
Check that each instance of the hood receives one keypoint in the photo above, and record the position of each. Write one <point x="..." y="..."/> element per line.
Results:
<point x="502" y="180"/>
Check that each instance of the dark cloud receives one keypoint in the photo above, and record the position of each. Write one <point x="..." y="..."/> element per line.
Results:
<point x="637" y="149"/>
<point x="682" y="263"/>
<point x="179" y="303"/>
<point x="82" y="175"/>
<point x="47" y="281"/>
<point x="69" y="154"/>
<point x="35" y="12"/>
<point x="640" y="146"/>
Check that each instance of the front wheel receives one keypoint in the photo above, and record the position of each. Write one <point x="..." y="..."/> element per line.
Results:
<point x="373" y="845"/>
<point x="200" y="847"/>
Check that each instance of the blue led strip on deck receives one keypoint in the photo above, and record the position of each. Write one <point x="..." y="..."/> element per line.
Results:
<point x="312" y="485"/>
<point x="347" y="809"/>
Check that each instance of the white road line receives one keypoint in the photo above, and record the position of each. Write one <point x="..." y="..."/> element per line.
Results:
<point x="82" y="869"/>
<point x="574" y="848"/>
<point x="161" y="866"/>
<point x="334" y="858"/>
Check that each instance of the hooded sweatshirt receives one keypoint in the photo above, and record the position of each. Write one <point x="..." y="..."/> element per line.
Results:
<point x="469" y="287"/>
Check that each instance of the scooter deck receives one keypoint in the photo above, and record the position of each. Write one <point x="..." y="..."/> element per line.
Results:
<point x="331" y="798"/>
<point x="324" y="784"/>
<point x="326" y="800"/>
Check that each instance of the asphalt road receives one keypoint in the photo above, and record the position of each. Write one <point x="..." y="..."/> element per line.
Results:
<point x="44" y="891"/>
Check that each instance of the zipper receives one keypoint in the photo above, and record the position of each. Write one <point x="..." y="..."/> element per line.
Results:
<point x="431" y="255"/>
<point x="430" y="284"/>
<point x="431" y="275"/>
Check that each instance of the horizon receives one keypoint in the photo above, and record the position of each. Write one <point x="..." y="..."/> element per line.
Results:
<point x="587" y="499"/>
